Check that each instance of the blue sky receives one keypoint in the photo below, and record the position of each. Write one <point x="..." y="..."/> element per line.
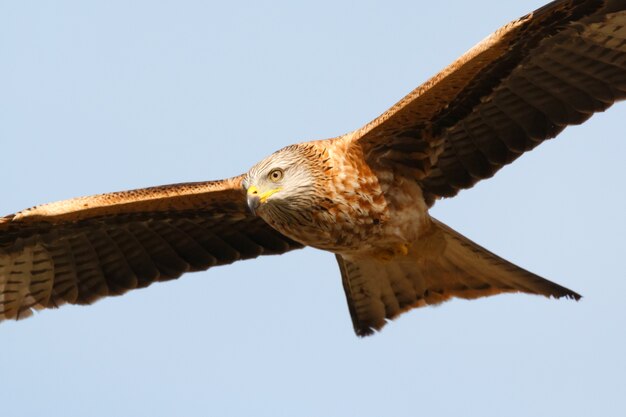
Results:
<point x="106" y="96"/>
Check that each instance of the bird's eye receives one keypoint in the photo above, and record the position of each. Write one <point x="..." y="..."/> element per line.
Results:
<point x="275" y="175"/>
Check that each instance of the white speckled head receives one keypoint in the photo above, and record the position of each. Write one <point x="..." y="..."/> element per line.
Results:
<point x="283" y="182"/>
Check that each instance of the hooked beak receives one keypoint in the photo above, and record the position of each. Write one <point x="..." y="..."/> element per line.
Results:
<point x="253" y="199"/>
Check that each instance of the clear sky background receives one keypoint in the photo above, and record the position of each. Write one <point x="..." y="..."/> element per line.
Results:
<point x="106" y="96"/>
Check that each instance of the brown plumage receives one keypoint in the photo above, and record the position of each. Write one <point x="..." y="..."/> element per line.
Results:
<point x="363" y="196"/>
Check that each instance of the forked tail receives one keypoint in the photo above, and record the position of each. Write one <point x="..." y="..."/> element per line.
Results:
<point x="441" y="265"/>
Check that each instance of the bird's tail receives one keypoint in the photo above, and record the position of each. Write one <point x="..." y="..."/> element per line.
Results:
<point x="441" y="265"/>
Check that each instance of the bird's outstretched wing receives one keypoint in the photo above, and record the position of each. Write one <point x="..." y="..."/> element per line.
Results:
<point x="80" y="250"/>
<point x="520" y="86"/>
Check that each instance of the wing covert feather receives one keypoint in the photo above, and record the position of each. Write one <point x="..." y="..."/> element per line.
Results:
<point x="80" y="250"/>
<point x="520" y="86"/>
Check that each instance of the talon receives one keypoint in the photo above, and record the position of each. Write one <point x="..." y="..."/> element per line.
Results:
<point x="385" y="255"/>
<point x="402" y="248"/>
<point x="390" y="253"/>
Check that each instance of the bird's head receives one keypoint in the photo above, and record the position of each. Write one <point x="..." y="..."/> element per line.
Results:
<point x="282" y="183"/>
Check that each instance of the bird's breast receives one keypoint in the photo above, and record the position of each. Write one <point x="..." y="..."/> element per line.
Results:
<point x="359" y="211"/>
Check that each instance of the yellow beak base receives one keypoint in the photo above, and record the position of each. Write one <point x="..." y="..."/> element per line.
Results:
<point x="253" y="191"/>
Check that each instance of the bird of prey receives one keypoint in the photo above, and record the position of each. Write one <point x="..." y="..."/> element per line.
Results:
<point x="363" y="196"/>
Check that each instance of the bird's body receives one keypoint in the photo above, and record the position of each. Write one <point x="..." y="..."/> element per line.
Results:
<point x="364" y="196"/>
<point x="351" y="210"/>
